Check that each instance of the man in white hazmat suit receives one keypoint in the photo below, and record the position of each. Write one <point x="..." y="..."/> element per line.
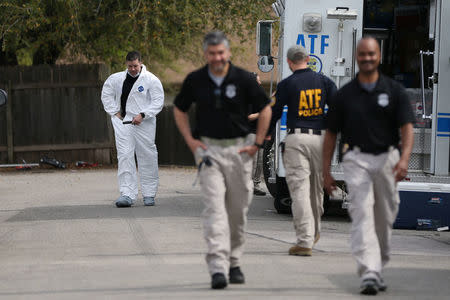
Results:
<point x="133" y="98"/>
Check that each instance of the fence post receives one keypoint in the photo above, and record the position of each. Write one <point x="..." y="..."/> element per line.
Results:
<point x="9" y="125"/>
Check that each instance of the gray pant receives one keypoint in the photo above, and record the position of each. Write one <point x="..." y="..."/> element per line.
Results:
<point x="302" y="159"/>
<point x="374" y="202"/>
<point x="227" y="190"/>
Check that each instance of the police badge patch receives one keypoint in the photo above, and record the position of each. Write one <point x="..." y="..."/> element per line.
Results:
<point x="230" y="91"/>
<point x="383" y="100"/>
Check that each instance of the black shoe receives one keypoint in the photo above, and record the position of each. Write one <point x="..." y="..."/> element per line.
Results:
<point x="369" y="286"/>
<point x="381" y="285"/>
<point x="218" y="281"/>
<point x="236" y="276"/>
<point x="258" y="192"/>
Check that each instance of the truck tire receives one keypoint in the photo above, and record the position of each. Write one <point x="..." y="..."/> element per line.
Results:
<point x="268" y="153"/>
<point x="283" y="199"/>
<point x="279" y="189"/>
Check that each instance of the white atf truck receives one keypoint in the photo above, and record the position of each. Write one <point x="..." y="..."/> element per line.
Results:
<point x="415" y="50"/>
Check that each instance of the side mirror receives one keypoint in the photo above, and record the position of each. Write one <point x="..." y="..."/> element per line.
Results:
<point x="3" y="97"/>
<point x="264" y="38"/>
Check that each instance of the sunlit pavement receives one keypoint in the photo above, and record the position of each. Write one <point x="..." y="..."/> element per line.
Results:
<point x="61" y="237"/>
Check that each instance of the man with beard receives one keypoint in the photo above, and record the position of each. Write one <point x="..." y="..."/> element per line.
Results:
<point x="223" y="148"/>
<point x="369" y="112"/>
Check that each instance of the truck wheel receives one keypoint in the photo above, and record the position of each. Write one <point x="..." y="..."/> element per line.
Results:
<point x="283" y="199"/>
<point x="279" y="190"/>
<point x="268" y="155"/>
<point x="283" y="205"/>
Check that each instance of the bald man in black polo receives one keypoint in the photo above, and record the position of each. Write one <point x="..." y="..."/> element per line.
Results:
<point x="374" y="116"/>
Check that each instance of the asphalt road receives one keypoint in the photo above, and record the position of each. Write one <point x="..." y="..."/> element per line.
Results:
<point x="61" y="237"/>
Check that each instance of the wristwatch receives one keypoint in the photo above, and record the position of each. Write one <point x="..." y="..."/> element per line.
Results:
<point x="142" y="115"/>
<point x="258" y="145"/>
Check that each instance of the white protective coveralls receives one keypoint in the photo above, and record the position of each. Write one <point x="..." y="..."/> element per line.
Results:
<point x="146" y="96"/>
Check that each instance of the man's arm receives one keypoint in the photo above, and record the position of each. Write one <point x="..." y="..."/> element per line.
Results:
<point x="156" y="98"/>
<point x="261" y="130"/>
<point x="407" y="141"/>
<point x="182" y="121"/>
<point x="108" y="98"/>
<point x="263" y="124"/>
<point x="329" y="144"/>
<point x="277" y="109"/>
<point x="155" y="94"/>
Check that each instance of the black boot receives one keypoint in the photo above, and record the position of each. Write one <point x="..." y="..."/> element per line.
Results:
<point x="236" y="276"/>
<point x="218" y="281"/>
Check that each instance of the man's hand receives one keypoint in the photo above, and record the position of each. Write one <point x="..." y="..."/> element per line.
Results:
<point x="400" y="170"/>
<point x="193" y="144"/>
<point x="119" y="115"/>
<point x="137" y="119"/>
<point x="253" y="117"/>
<point x="328" y="183"/>
<point x="407" y="135"/>
<point x="250" y="150"/>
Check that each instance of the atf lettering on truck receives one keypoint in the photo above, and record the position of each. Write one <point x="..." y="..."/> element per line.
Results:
<point x="312" y="42"/>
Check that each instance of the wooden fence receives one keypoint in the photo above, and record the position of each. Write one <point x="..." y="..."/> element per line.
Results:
<point x="56" y="111"/>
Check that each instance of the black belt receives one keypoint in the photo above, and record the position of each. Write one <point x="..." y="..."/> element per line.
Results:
<point x="305" y="130"/>
<point x="369" y="150"/>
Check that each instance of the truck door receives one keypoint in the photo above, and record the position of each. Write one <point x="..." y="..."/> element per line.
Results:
<point x="415" y="50"/>
<point x="329" y="33"/>
<point x="440" y="80"/>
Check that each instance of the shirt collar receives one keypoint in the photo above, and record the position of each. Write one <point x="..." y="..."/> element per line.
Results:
<point x="231" y="71"/>
<point x="380" y="86"/>
<point x="134" y="76"/>
<point x="299" y="71"/>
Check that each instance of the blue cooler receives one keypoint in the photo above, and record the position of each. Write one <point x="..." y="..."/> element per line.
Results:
<point x="423" y="206"/>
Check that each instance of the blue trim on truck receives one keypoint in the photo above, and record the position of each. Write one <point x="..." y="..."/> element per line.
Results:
<point x="443" y="125"/>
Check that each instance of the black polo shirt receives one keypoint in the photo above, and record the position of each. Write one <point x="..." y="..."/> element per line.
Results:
<point x="370" y="120"/>
<point x="305" y="92"/>
<point x="222" y="111"/>
<point x="126" y="89"/>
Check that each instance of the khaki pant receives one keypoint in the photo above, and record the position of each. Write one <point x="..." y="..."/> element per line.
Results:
<point x="373" y="207"/>
<point x="302" y="159"/>
<point x="227" y="190"/>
